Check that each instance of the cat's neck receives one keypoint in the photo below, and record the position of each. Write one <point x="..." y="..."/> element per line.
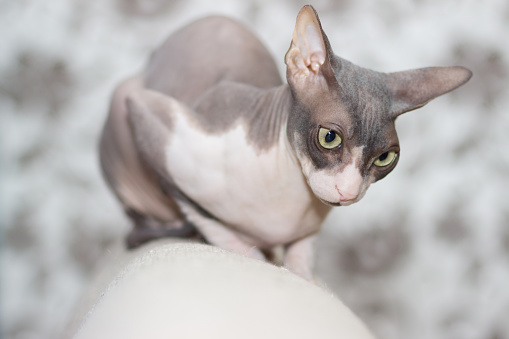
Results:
<point x="264" y="114"/>
<point x="269" y="118"/>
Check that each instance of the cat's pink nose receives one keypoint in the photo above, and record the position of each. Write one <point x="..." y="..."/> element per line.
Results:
<point x="346" y="197"/>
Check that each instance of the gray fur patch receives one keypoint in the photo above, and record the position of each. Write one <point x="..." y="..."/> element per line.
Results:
<point x="262" y="112"/>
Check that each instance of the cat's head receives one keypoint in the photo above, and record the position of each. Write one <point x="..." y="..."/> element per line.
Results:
<point x="342" y="124"/>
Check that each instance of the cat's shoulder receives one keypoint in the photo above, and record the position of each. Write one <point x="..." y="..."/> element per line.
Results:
<point x="224" y="104"/>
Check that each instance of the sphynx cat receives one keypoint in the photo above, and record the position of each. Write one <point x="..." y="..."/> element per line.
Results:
<point x="207" y="137"/>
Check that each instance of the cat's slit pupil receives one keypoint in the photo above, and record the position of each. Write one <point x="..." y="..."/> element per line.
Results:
<point x="383" y="156"/>
<point x="330" y="136"/>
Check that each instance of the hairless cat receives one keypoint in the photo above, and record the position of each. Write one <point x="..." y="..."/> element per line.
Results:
<point x="207" y="137"/>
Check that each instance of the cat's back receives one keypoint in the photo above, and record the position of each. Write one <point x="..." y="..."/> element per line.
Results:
<point x="206" y="52"/>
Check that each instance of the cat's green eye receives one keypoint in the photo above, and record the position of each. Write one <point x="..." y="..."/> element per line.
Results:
<point x="385" y="159"/>
<point x="328" y="139"/>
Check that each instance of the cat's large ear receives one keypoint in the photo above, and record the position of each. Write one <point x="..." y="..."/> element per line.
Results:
<point x="415" y="88"/>
<point x="308" y="60"/>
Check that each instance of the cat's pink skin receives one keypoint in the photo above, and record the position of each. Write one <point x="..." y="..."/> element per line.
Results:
<point x="209" y="136"/>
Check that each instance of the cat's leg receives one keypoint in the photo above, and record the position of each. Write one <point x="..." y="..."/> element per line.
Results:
<point x="147" y="228"/>
<point x="299" y="257"/>
<point x="218" y="234"/>
<point x="150" y="117"/>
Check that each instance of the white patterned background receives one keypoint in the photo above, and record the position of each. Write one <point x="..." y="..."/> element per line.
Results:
<point x="424" y="255"/>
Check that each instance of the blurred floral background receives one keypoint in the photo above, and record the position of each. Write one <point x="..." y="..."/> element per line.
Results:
<point x="424" y="255"/>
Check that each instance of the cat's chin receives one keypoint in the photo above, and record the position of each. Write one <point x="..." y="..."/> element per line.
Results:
<point x="339" y="203"/>
<point x="333" y="204"/>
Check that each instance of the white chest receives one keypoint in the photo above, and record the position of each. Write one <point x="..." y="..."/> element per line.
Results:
<point x="263" y="195"/>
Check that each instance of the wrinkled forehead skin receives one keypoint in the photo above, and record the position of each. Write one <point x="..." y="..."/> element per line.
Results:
<point x="364" y="96"/>
<point x="367" y="102"/>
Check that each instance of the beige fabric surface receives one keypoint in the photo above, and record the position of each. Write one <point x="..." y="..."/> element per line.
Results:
<point x="189" y="290"/>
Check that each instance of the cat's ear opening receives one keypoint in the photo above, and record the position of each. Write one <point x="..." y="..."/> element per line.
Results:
<point x="415" y="88"/>
<point x="308" y="58"/>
